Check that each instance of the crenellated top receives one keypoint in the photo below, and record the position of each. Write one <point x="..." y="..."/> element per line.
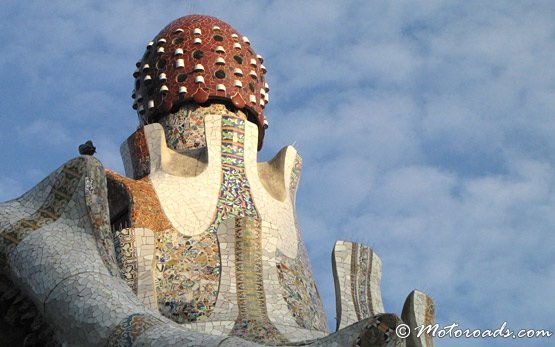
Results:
<point x="147" y="151"/>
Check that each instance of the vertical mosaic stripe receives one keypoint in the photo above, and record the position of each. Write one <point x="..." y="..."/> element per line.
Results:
<point x="235" y="198"/>
<point x="429" y="319"/>
<point x="235" y="201"/>
<point x="430" y="311"/>
<point x="253" y="323"/>
<point x="361" y="265"/>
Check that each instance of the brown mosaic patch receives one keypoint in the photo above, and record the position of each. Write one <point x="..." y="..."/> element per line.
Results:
<point x="145" y="210"/>
<point x="139" y="153"/>
<point x="137" y="207"/>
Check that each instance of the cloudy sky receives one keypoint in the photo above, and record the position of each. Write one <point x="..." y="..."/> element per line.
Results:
<point x="426" y="129"/>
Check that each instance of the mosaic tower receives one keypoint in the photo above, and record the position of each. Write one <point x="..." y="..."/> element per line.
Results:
<point x="198" y="245"/>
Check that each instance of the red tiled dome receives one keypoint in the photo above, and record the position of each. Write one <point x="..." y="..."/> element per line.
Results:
<point x="200" y="58"/>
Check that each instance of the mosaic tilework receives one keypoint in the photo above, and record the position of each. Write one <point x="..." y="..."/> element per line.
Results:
<point x="171" y="335"/>
<point x="187" y="275"/>
<point x="60" y="265"/>
<point x="61" y="192"/>
<point x="295" y="177"/>
<point x="144" y="212"/>
<point x="271" y="293"/>
<point x="184" y="129"/>
<point x="295" y="275"/>
<point x="145" y="242"/>
<point x="53" y="206"/>
<point x="299" y="290"/>
<point x="429" y="319"/>
<point x="20" y="320"/>
<point x="144" y="208"/>
<point x="90" y="288"/>
<point x="11" y="212"/>
<point x="235" y="198"/>
<point x="253" y="323"/>
<point x="375" y="331"/>
<point x="363" y="273"/>
<point x="130" y="328"/>
<point x="138" y="151"/>
<point x="419" y="309"/>
<point x="357" y="277"/>
<point x="380" y="332"/>
<point x="126" y="255"/>
<point x="187" y="269"/>
<point x="361" y="262"/>
<point x="429" y="311"/>
<point x="96" y="198"/>
<point x="87" y="306"/>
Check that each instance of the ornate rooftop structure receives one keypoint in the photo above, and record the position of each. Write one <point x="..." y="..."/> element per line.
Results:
<point x="198" y="245"/>
<point x="200" y="59"/>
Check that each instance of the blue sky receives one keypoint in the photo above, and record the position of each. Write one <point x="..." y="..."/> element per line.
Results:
<point x="426" y="130"/>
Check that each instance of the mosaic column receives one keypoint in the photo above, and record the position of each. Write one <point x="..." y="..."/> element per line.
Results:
<point x="357" y="276"/>
<point x="419" y="310"/>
